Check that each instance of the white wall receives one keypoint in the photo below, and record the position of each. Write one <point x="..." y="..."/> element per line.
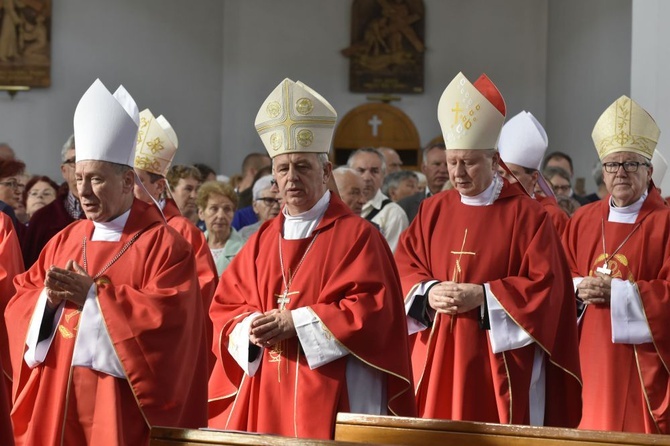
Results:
<point x="207" y="65"/>
<point x="650" y="68"/>
<point x="166" y="53"/>
<point x="266" y="41"/>
<point x="589" y="68"/>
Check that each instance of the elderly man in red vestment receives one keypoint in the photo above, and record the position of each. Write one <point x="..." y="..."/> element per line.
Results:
<point x="619" y="251"/>
<point x="11" y="264"/>
<point x="106" y="328"/>
<point x="308" y="318"/>
<point x="522" y="144"/>
<point x="487" y="287"/>
<point x="156" y="147"/>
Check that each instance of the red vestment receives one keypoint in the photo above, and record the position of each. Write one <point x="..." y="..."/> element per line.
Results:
<point x="204" y="262"/>
<point x="626" y="386"/>
<point x="10" y="266"/>
<point x="516" y="251"/>
<point x="350" y="282"/>
<point x="558" y="216"/>
<point x="151" y="308"/>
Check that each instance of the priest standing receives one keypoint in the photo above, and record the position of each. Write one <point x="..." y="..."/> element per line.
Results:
<point x="106" y="329"/>
<point x="619" y="251"/>
<point x="308" y="318"/>
<point x="490" y="304"/>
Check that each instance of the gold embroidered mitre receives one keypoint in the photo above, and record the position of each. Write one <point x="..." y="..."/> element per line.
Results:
<point x="471" y="116"/>
<point x="625" y="127"/>
<point x="295" y="118"/>
<point x="156" y="144"/>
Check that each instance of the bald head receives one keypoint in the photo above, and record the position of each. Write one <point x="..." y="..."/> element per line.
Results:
<point x="350" y="185"/>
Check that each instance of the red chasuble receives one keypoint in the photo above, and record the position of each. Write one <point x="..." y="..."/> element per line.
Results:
<point x="10" y="266"/>
<point x="557" y="215"/>
<point x="350" y="282"/>
<point x="626" y="387"/>
<point x="513" y="246"/>
<point x="208" y="278"/>
<point x="150" y="305"/>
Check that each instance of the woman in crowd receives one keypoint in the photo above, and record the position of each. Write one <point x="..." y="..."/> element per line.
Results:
<point x="217" y="202"/>
<point x="39" y="191"/>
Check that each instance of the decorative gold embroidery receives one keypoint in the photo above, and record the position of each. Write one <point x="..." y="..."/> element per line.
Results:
<point x="276" y="141"/>
<point x="145" y="163"/>
<point x="304" y="106"/>
<point x="67" y="334"/>
<point x="143" y="122"/>
<point x="155" y="146"/>
<point x="273" y="109"/>
<point x="305" y="137"/>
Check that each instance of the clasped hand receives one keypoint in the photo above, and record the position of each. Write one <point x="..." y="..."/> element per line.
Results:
<point x="454" y="298"/>
<point x="272" y="327"/>
<point x="70" y="283"/>
<point x="596" y="290"/>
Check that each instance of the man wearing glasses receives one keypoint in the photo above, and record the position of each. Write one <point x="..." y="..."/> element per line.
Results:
<point x="619" y="253"/>
<point x="55" y="216"/>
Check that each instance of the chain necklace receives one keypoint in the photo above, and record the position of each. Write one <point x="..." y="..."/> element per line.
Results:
<point x="604" y="269"/>
<point x="114" y="259"/>
<point x="283" y="298"/>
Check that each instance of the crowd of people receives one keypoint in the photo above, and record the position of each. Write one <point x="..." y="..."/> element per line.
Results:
<point x="141" y="293"/>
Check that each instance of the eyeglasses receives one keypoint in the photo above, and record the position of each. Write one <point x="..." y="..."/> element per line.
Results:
<point x="270" y="201"/>
<point x="628" y="166"/>
<point x="70" y="161"/>
<point x="13" y="184"/>
<point x="564" y="188"/>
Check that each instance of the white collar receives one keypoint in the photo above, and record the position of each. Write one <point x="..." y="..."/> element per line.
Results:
<point x="376" y="201"/>
<point x="301" y="226"/>
<point x="625" y="214"/>
<point x="488" y="196"/>
<point x="110" y="231"/>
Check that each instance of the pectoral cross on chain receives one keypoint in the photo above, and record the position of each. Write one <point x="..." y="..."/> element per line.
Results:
<point x="604" y="269"/>
<point x="283" y="298"/>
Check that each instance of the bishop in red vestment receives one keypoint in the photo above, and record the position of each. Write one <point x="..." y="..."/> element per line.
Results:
<point x="10" y="266"/>
<point x="308" y="318"/>
<point x="106" y="329"/>
<point x="156" y="147"/>
<point x="619" y="252"/>
<point x="490" y="307"/>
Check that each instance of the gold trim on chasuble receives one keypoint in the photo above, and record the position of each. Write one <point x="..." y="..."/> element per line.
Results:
<point x="388" y="372"/>
<point x="284" y="123"/>
<point x="644" y="390"/>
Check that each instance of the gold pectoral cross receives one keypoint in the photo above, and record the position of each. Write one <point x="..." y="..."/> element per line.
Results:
<point x="456" y="274"/>
<point x="283" y="298"/>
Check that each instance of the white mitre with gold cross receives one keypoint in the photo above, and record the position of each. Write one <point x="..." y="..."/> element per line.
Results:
<point x="156" y="144"/>
<point x="294" y="118"/>
<point x="467" y="114"/>
<point x="105" y="125"/>
<point x="625" y="127"/>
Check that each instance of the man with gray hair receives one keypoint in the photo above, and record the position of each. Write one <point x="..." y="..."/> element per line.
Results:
<point x="400" y="184"/>
<point x="350" y="186"/>
<point x="379" y="208"/>
<point x="58" y="214"/>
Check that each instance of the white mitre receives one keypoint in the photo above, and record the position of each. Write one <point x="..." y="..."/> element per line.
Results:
<point x="294" y="118"/>
<point x="523" y="141"/>
<point x="660" y="167"/>
<point x="156" y="144"/>
<point x="468" y="119"/>
<point x="105" y="125"/>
